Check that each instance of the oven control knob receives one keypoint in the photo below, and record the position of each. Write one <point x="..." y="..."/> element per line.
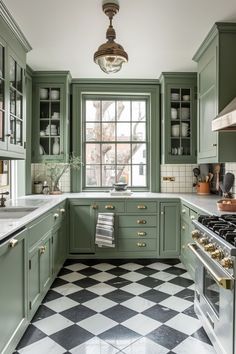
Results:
<point x="196" y="234"/>
<point x="209" y="247"/>
<point x="227" y="263"/>
<point x="203" y="241"/>
<point x="217" y="254"/>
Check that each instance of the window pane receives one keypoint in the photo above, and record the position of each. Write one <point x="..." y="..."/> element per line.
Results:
<point x="12" y="102"/>
<point x="108" y="153"/>
<point x="123" y="153"/>
<point x="123" y="111"/>
<point x="12" y="72"/>
<point x="1" y="61"/>
<point x="92" y="111"/>
<point x="139" y="110"/>
<point x="93" y="175"/>
<point x="1" y="126"/>
<point x="18" y="132"/>
<point x="19" y="78"/>
<point x="92" y="153"/>
<point x="139" y="153"/>
<point x="108" y="175"/>
<point x="108" y="131"/>
<point x="123" y="174"/>
<point x="18" y="105"/>
<point x="138" y="131"/>
<point x="139" y="175"/>
<point x="108" y="110"/>
<point x="92" y="132"/>
<point x="1" y="94"/>
<point x="123" y="131"/>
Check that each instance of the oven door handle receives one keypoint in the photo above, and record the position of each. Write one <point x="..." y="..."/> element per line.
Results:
<point x="225" y="282"/>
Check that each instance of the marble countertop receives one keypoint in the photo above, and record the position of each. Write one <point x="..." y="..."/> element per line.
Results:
<point x="44" y="203"/>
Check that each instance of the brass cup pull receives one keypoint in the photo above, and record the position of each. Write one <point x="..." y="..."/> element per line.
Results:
<point x="62" y="211"/>
<point x="111" y="207"/>
<point x="141" y="207"/>
<point x="42" y="249"/>
<point x="13" y="243"/>
<point x="141" y="221"/>
<point x="141" y="233"/>
<point x="56" y="216"/>
<point x="141" y="244"/>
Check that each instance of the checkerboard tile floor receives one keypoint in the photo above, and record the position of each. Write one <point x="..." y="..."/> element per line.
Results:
<point x="109" y="307"/>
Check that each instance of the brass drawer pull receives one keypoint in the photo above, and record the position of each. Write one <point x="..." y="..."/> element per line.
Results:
<point x="141" y="207"/>
<point x="62" y="211"/>
<point x="13" y="243"/>
<point x="111" y="207"/>
<point x="141" y="244"/>
<point x="42" y="249"/>
<point x="141" y="221"/>
<point x="141" y="233"/>
<point x="56" y="216"/>
<point x="94" y="206"/>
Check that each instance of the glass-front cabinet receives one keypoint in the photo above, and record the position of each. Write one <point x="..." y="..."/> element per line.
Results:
<point x="51" y="116"/>
<point x="179" y="118"/>
<point x="3" y="144"/>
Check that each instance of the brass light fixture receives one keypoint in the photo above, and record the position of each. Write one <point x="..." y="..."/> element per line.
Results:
<point x="110" y="55"/>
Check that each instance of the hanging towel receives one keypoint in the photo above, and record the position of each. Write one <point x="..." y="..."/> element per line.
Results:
<point x="105" y="230"/>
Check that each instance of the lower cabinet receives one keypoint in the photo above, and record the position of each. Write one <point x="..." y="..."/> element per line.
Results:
<point x="13" y="311"/>
<point x="169" y="229"/>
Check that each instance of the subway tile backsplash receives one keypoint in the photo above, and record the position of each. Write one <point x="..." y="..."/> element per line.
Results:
<point x="182" y="176"/>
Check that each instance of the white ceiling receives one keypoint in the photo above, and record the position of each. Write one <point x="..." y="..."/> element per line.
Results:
<point x="158" y="35"/>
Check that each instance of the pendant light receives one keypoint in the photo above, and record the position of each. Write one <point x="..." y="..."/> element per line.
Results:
<point x="110" y="55"/>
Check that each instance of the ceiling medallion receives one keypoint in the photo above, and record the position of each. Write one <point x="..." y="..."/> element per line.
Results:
<point x="110" y="55"/>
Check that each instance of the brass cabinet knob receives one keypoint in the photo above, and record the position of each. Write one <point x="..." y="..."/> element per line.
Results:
<point x="13" y="242"/>
<point x="56" y="216"/>
<point x="141" y="244"/>
<point x="141" y="207"/>
<point x="227" y="263"/>
<point x="42" y="249"/>
<point x="141" y="221"/>
<point x="183" y="227"/>
<point x="196" y="234"/>
<point x="94" y="206"/>
<point x="111" y="207"/>
<point x="210" y="247"/>
<point x="217" y="254"/>
<point x="62" y="210"/>
<point x="142" y="233"/>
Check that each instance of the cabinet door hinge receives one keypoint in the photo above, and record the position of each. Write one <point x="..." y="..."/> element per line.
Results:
<point x="30" y="305"/>
<point x="29" y="264"/>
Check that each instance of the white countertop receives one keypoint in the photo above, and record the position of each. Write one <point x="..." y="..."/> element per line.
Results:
<point x="44" y="203"/>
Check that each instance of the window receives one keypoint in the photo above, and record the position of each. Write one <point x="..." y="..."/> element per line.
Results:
<point x="115" y="141"/>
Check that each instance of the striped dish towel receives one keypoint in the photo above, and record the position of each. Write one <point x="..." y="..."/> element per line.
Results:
<point x="105" y="230"/>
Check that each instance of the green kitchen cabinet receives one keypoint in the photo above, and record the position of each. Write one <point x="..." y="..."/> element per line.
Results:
<point x="216" y="59"/>
<point x="50" y="124"/>
<point x="169" y="229"/>
<point x="13" y="313"/>
<point x="59" y="242"/>
<point x="82" y="226"/>
<point x="179" y="117"/>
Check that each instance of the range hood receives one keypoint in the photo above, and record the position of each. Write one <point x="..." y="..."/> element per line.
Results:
<point x="226" y="119"/>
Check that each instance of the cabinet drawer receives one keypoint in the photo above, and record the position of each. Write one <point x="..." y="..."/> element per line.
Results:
<point x="139" y="221"/>
<point x="141" y="207"/>
<point x="137" y="245"/>
<point x="104" y="207"/>
<point x="39" y="229"/>
<point x="135" y="232"/>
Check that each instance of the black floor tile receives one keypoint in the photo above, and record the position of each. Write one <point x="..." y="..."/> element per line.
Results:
<point x="32" y="335"/>
<point x="51" y="295"/>
<point x="78" y="313"/>
<point x="181" y="281"/>
<point x="190" y="311"/>
<point x="89" y="271"/>
<point x="175" y="271"/>
<point x="146" y="271"/>
<point x="71" y="336"/>
<point x="118" y="296"/>
<point x="118" y="282"/>
<point x="202" y="336"/>
<point x="150" y="282"/>
<point x="42" y="312"/>
<point x="154" y="295"/>
<point x="58" y="282"/>
<point x="64" y="271"/>
<point x="86" y="282"/>
<point x="186" y="294"/>
<point x="160" y="313"/>
<point x="167" y="337"/>
<point x="82" y="296"/>
<point x="120" y="333"/>
<point x="118" y="271"/>
<point x="119" y="313"/>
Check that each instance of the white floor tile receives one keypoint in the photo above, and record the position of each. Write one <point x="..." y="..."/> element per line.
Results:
<point x="176" y="303"/>
<point x="45" y="345"/>
<point x="67" y="289"/>
<point x="97" y="324"/>
<point x="131" y="266"/>
<point x="72" y="276"/>
<point x="145" y="346"/>
<point x="184" y="323"/>
<point x="99" y="304"/>
<point x="193" y="346"/>
<point x="169" y="288"/>
<point x="102" y="276"/>
<point x="141" y="324"/>
<point x="163" y="276"/>
<point x="94" y="346"/>
<point x="61" y="304"/>
<point x="138" y="304"/>
<point x="53" y="324"/>
<point x="103" y="267"/>
<point x="180" y="265"/>
<point x="158" y="266"/>
<point x="133" y="276"/>
<point x="76" y="267"/>
<point x="186" y="276"/>
<point x="101" y="288"/>
<point x="135" y="288"/>
<point x="192" y="287"/>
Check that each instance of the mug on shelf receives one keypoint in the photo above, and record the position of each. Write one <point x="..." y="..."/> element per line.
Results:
<point x="175" y="130"/>
<point x="174" y="113"/>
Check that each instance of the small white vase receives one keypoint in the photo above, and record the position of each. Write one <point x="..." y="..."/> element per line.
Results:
<point x="56" y="147"/>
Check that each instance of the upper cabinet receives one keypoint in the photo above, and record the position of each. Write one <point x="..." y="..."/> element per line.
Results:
<point x="179" y="117"/>
<point x="216" y="60"/>
<point x="50" y="122"/>
<point x="13" y="49"/>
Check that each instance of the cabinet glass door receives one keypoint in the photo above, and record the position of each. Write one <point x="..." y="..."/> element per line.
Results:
<point x="49" y="121"/>
<point x="181" y="121"/>
<point x="2" y="94"/>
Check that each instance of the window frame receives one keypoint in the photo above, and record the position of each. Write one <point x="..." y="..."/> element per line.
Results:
<point x="126" y="89"/>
